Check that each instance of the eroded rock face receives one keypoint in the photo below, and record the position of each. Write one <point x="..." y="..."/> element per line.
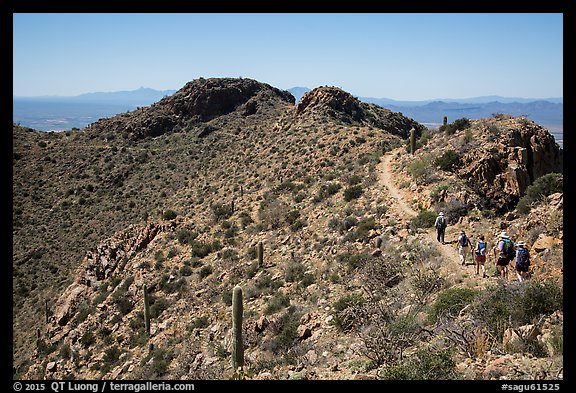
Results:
<point x="99" y="263"/>
<point x="503" y="169"/>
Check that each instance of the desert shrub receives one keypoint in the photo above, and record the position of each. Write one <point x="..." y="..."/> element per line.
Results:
<point x="328" y="189"/>
<point x="448" y="160"/>
<point x="423" y="365"/>
<point x="492" y="308"/>
<point x="451" y="128"/>
<point x="185" y="236"/>
<point x="172" y="286"/>
<point x="292" y="216"/>
<point x="353" y="192"/>
<point x="169" y="214"/>
<point x="221" y="211"/>
<point x="185" y="270"/>
<point x="199" y="323"/>
<point x="200" y="249"/>
<point x="245" y="219"/>
<point x="293" y="271"/>
<point x="534" y="299"/>
<point x="87" y="339"/>
<point x="205" y="271"/>
<point x="353" y="179"/>
<point x="353" y="261"/>
<point x="271" y="212"/>
<point x="158" y="367"/>
<point x="111" y="357"/>
<point x="172" y="253"/>
<point x="157" y="306"/>
<point x="276" y="303"/>
<point x="438" y="191"/>
<point x="285" y="330"/>
<point x="424" y="219"/>
<point x="345" y="308"/>
<point x="450" y="302"/>
<point x="364" y="226"/>
<point x="541" y="188"/>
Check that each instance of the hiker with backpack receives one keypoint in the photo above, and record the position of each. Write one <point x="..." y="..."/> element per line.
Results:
<point x="463" y="247"/>
<point x="480" y="255"/>
<point x="440" y="225"/>
<point x="506" y="253"/>
<point x="522" y="261"/>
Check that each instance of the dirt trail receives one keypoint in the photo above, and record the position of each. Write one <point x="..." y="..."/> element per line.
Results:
<point x="451" y="265"/>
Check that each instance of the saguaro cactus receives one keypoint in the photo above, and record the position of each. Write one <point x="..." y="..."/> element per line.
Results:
<point x="260" y="253"/>
<point x="46" y="310"/>
<point x="412" y="140"/>
<point x="237" y="341"/>
<point x="146" y="311"/>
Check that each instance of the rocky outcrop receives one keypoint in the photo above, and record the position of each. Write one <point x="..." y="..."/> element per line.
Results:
<point x="341" y="105"/>
<point x="502" y="169"/>
<point x="99" y="264"/>
<point x="198" y="101"/>
<point x="331" y="100"/>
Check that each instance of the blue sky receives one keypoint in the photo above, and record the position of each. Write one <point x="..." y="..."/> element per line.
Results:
<point x="398" y="56"/>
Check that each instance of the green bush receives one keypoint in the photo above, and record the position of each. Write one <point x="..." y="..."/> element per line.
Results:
<point x="353" y="261"/>
<point x="286" y="330"/>
<point x="447" y="161"/>
<point x="185" y="236"/>
<point x="541" y="188"/>
<point x="423" y="365"/>
<point x="159" y="305"/>
<point x="276" y="303"/>
<point x="353" y="192"/>
<point x="451" y="128"/>
<point x="294" y="271"/>
<point x="536" y="298"/>
<point x="221" y="211"/>
<point x="450" y="302"/>
<point x="205" y="271"/>
<point x="169" y="214"/>
<point x="344" y="319"/>
<point x="424" y="219"/>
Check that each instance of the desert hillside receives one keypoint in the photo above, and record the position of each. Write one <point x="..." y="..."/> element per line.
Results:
<point x="321" y="211"/>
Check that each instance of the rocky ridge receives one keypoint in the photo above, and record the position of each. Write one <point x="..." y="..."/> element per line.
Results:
<point x="99" y="334"/>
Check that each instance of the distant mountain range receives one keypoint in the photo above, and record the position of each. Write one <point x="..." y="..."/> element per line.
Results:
<point x="64" y="112"/>
<point x="547" y="112"/>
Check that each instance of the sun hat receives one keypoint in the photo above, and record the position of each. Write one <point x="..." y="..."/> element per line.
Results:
<point x="462" y="231"/>
<point x="441" y="214"/>
<point x="521" y="243"/>
<point x="504" y="235"/>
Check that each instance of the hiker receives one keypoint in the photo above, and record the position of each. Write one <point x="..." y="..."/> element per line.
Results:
<point x="506" y="253"/>
<point x="480" y="255"/>
<point x="463" y="247"/>
<point x="440" y="225"/>
<point x="522" y="261"/>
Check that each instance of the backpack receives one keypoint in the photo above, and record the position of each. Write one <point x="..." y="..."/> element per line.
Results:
<point x="509" y="250"/>
<point x="463" y="241"/>
<point x="441" y="222"/>
<point x="523" y="258"/>
<point x="481" y="248"/>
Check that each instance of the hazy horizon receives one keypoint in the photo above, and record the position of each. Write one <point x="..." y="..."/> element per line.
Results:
<point x="410" y="57"/>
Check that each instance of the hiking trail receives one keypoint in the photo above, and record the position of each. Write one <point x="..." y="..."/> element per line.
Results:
<point x="399" y="207"/>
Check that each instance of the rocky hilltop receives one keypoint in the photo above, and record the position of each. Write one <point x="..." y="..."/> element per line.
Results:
<point x="190" y="107"/>
<point x="177" y="199"/>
